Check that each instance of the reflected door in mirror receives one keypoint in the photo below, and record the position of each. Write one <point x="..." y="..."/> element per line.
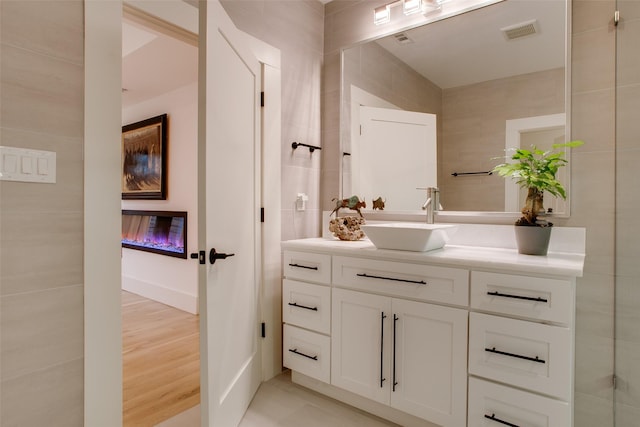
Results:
<point x="394" y="155"/>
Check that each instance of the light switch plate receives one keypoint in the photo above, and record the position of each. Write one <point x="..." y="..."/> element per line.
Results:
<point x="27" y="165"/>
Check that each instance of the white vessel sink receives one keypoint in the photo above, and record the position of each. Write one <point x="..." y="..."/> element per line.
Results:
<point x="406" y="236"/>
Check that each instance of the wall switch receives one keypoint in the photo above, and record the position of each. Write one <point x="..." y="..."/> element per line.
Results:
<point x="27" y="165"/>
<point x="10" y="163"/>
<point x="43" y="166"/>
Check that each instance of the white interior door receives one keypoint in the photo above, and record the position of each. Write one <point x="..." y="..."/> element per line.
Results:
<point x="228" y="201"/>
<point x="395" y="154"/>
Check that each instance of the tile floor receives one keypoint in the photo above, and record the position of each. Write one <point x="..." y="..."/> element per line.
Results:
<point x="280" y="403"/>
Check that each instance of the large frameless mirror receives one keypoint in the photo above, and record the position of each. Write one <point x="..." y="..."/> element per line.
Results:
<point x="489" y="79"/>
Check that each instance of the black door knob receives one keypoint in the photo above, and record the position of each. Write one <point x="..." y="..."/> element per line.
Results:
<point x="214" y="256"/>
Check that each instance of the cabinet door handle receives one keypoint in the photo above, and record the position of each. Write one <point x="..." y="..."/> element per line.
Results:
<point x="303" y="266"/>
<point x="493" y="417"/>
<point x="498" y="294"/>
<point x="517" y="356"/>
<point x="419" y="282"/>
<point x="382" y="379"/>
<point x="295" y="304"/>
<point x="395" y="322"/>
<point x="295" y="350"/>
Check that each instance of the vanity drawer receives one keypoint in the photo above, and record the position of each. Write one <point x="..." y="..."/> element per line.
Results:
<point x="532" y="297"/>
<point x="492" y="405"/>
<point x="307" y="266"/>
<point x="306" y="352"/>
<point x="416" y="281"/>
<point x="306" y="305"/>
<point x="524" y="354"/>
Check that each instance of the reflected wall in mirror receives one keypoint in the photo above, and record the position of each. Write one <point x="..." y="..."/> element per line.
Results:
<point x="475" y="71"/>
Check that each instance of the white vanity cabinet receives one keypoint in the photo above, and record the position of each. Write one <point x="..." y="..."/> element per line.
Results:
<point x="406" y="354"/>
<point x="464" y="336"/>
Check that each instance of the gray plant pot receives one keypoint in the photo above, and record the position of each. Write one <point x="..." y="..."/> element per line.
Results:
<point x="533" y="240"/>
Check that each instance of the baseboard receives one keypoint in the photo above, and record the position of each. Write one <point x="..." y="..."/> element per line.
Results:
<point x="171" y="297"/>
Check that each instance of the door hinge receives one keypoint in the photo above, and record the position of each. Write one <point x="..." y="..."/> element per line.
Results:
<point x="261" y="214"/>
<point x="614" y="381"/>
<point x="360" y="129"/>
<point x="263" y="330"/>
<point x="616" y="17"/>
<point x="262" y="99"/>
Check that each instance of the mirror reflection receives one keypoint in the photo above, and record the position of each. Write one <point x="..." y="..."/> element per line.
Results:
<point x="474" y="73"/>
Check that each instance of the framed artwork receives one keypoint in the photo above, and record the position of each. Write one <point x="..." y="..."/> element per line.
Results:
<point x="144" y="159"/>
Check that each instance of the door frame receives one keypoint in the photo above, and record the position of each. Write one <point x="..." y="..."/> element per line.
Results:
<point x="102" y="213"/>
<point x="102" y="210"/>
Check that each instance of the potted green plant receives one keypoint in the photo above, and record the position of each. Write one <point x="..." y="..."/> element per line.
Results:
<point x="535" y="170"/>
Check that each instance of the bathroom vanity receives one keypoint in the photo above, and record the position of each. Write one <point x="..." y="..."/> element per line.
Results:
<point x="473" y="334"/>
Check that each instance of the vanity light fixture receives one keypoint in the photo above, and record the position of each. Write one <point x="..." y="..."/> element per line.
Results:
<point x="382" y="14"/>
<point x="409" y="7"/>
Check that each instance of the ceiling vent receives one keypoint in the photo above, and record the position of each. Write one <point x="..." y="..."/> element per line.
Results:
<point x="522" y="29"/>
<point x="402" y="38"/>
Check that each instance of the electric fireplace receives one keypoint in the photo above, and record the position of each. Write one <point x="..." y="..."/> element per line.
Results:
<point x="160" y="232"/>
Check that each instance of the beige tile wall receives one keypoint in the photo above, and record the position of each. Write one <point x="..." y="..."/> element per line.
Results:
<point x="41" y="225"/>
<point x="296" y="28"/>
<point x="627" y="207"/>
<point x="593" y="181"/>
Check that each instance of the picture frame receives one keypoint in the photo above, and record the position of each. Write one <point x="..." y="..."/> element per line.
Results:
<point x="144" y="159"/>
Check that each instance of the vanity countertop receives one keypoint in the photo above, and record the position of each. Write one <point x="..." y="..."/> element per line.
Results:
<point x="503" y="259"/>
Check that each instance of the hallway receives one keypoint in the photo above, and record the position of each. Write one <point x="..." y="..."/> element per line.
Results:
<point x="161" y="361"/>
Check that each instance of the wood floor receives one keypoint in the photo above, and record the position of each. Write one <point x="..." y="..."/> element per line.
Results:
<point x="161" y="361"/>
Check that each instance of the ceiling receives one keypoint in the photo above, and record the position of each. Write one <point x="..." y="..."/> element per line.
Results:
<point x="154" y="63"/>
<point x="461" y="50"/>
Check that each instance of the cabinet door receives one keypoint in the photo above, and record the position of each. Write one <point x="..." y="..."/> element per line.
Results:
<point x="361" y="343"/>
<point x="429" y="371"/>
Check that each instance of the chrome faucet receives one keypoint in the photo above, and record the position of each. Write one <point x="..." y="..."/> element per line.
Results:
<point x="432" y="205"/>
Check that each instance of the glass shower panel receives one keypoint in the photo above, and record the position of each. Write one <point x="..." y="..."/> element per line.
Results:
<point x="627" y="342"/>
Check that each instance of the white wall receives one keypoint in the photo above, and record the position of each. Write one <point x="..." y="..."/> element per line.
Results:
<point x="172" y="281"/>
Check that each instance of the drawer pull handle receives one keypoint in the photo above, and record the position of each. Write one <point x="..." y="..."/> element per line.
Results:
<point x="419" y="282"/>
<point x="303" y="266"/>
<point x="295" y="350"/>
<point x="295" y="304"/>
<point x="498" y="294"/>
<point x="518" y="356"/>
<point x="492" y="417"/>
